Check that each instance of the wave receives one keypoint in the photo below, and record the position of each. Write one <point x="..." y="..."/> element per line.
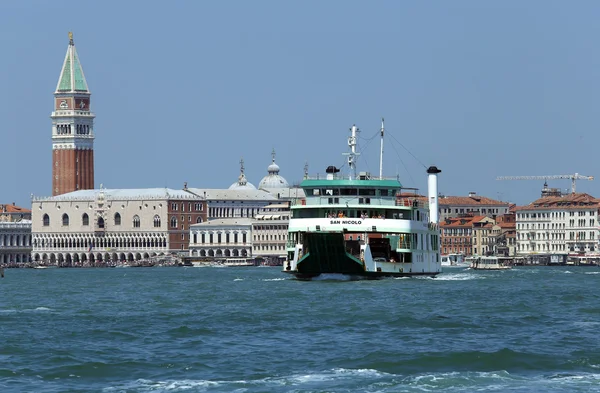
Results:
<point x="372" y="380"/>
<point x="26" y="310"/>
<point x="459" y="277"/>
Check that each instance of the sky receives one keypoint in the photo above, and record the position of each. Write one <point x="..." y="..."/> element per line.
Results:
<point x="182" y="90"/>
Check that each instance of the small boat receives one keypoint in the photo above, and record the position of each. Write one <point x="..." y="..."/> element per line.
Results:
<point x="488" y="263"/>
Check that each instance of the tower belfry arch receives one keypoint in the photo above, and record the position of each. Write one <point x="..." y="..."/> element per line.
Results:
<point x="72" y="128"/>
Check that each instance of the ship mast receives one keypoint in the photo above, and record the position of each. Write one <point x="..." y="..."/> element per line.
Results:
<point x="352" y="143"/>
<point x="381" y="152"/>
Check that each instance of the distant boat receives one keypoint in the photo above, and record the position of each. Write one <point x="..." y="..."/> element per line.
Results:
<point x="488" y="263"/>
<point x="238" y="262"/>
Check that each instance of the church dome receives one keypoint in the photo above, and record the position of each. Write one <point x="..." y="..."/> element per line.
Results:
<point x="273" y="179"/>
<point x="242" y="183"/>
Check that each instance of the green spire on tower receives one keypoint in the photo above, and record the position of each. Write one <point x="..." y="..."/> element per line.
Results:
<point x="71" y="76"/>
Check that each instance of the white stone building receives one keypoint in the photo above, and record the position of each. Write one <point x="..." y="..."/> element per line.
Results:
<point x="558" y="225"/>
<point x="91" y="227"/>
<point x="221" y="238"/>
<point x="15" y="242"/>
<point x="270" y="232"/>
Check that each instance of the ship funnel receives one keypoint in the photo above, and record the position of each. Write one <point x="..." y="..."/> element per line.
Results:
<point x="432" y="185"/>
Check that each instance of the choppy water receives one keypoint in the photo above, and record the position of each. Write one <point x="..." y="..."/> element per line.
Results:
<point x="257" y="330"/>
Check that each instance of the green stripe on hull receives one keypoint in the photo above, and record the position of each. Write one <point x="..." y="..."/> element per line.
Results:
<point x="325" y="253"/>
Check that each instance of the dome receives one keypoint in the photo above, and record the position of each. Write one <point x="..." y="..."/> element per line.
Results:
<point x="242" y="183"/>
<point x="273" y="179"/>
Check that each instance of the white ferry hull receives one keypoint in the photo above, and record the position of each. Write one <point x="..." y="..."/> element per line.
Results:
<point x="327" y="253"/>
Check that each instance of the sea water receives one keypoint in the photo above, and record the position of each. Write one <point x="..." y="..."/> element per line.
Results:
<point x="529" y="329"/>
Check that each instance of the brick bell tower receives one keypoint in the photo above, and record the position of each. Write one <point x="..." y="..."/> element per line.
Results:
<point x="72" y="129"/>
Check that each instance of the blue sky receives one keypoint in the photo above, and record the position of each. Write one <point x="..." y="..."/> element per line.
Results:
<point x="181" y="90"/>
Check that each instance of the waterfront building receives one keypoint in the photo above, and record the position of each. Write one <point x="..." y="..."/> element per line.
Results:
<point x="13" y="213"/>
<point x="91" y="227"/>
<point x="221" y="238"/>
<point x="476" y="205"/>
<point x="558" y="224"/>
<point x="505" y="234"/>
<point x="15" y="242"/>
<point x="72" y="128"/>
<point x="270" y="232"/>
<point x="464" y="206"/>
<point x="483" y="238"/>
<point x="457" y="235"/>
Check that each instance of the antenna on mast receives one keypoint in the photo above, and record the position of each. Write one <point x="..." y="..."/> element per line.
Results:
<point x="381" y="152"/>
<point x="353" y="153"/>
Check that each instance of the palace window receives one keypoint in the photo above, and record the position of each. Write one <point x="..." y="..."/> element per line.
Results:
<point x="157" y="221"/>
<point x="136" y="221"/>
<point x="173" y="222"/>
<point x="117" y="219"/>
<point x="100" y="222"/>
<point x="85" y="219"/>
<point x="65" y="220"/>
<point x="198" y="220"/>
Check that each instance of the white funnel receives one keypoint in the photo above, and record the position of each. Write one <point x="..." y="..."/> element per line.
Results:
<point x="432" y="185"/>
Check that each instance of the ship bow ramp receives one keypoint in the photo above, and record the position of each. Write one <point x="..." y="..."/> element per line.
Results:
<point x="326" y="253"/>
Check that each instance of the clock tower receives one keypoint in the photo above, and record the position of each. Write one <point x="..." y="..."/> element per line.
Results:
<point x="72" y="129"/>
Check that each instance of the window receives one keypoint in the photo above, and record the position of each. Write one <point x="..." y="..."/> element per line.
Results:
<point x="100" y="222"/>
<point x="156" y="221"/>
<point x="173" y="222"/>
<point x="136" y="221"/>
<point x="198" y="220"/>
<point x="85" y="219"/>
<point x="117" y="219"/>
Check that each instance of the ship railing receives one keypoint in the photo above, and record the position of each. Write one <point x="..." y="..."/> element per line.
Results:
<point x="343" y="200"/>
<point x="411" y="202"/>
<point x="328" y="176"/>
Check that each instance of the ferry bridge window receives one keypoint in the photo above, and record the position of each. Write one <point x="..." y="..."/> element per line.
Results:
<point x="348" y="191"/>
<point x="366" y="191"/>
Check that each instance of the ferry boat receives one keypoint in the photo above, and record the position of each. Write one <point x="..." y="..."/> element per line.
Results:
<point x="488" y="263"/>
<point x="362" y="226"/>
<point x="237" y="262"/>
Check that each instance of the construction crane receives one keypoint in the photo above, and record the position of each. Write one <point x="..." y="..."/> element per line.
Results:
<point x="573" y="178"/>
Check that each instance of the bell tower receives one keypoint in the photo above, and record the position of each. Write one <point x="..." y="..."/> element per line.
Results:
<point x="72" y="129"/>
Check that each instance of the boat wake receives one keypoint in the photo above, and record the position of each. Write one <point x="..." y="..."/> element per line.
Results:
<point x="459" y="277"/>
<point x="335" y="277"/>
<point x="343" y="380"/>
